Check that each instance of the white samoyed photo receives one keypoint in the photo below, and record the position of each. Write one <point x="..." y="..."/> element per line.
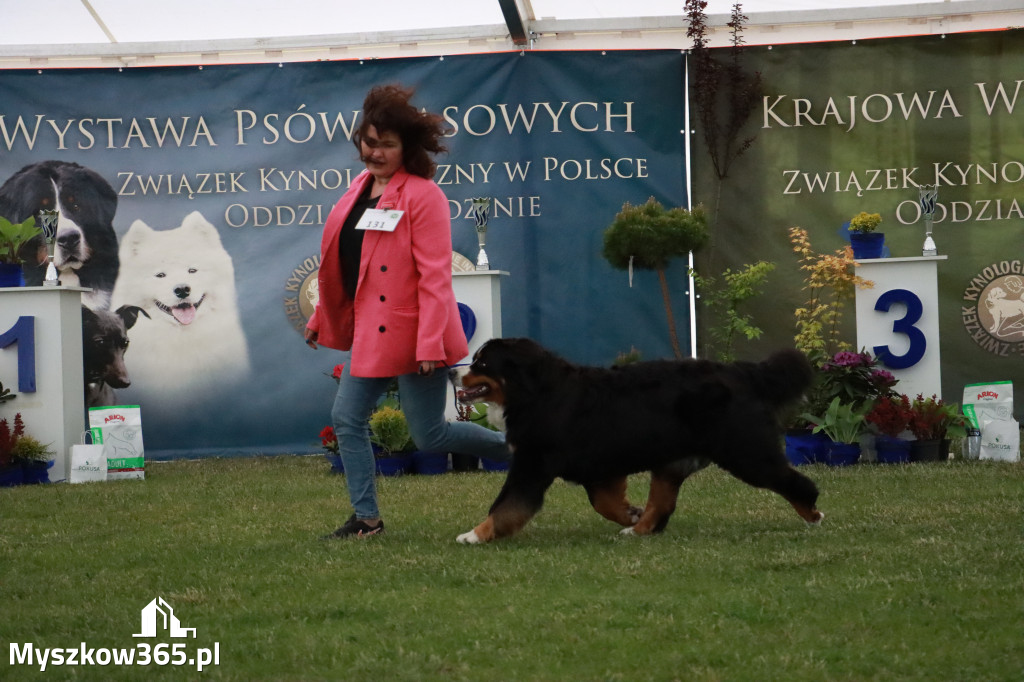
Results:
<point x="184" y="279"/>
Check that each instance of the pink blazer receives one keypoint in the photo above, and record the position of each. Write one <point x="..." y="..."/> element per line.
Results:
<point x="404" y="310"/>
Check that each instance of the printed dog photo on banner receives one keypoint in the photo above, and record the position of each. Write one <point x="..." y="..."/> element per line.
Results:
<point x="190" y="341"/>
<point x="86" y="245"/>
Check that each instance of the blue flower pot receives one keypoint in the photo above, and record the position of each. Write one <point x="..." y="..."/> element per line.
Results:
<point x="805" y="447"/>
<point x="867" y="245"/>
<point x="429" y="463"/>
<point x="335" y="459"/>
<point x="11" y="275"/>
<point x="11" y="475"/>
<point x="842" y="454"/>
<point x="395" y="465"/>
<point x="36" y="471"/>
<point x="494" y="464"/>
<point x="889" y="450"/>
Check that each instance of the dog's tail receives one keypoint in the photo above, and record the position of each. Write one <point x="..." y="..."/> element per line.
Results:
<point x="784" y="376"/>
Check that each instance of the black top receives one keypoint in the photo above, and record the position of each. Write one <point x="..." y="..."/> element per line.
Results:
<point x="350" y="242"/>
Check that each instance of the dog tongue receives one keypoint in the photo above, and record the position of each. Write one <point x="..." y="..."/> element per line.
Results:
<point x="184" y="314"/>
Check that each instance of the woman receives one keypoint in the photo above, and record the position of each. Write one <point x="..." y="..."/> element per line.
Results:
<point x="386" y="294"/>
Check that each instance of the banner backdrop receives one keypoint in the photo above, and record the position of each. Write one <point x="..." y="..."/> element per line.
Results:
<point x="224" y="175"/>
<point x="851" y="127"/>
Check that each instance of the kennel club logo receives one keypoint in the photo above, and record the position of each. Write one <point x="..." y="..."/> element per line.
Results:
<point x="993" y="308"/>
<point x="302" y="291"/>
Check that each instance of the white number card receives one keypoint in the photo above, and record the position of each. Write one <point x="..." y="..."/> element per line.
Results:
<point x="381" y="220"/>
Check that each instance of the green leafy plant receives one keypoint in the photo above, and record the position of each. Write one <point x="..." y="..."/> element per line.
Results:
<point x="389" y="430"/>
<point x="648" y="236"/>
<point x="724" y="302"/>
<point x="31" y="449"/>
<point x="933" y="419"/>
<point x="865" y="222"/>
<point x="5" y="394"/>
<point x="842" y="422"/>
<point x="15" y="235"/>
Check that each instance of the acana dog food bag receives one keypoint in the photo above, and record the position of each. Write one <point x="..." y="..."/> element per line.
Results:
<point x="989" y="407"/>
<point x="119" y="430"/>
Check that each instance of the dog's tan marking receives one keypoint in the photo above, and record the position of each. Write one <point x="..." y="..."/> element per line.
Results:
<point x="609" y="500"/>
<point x="660" y="503"/>
<point x="808" y="514"/>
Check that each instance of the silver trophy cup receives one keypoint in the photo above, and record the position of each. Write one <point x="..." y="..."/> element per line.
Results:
<point x="480" y="208"/>
<point x="928" y="196"/>
<point x="48" y="219"/>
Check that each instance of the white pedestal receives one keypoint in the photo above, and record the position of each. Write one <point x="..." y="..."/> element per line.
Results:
<point x="481" y="291"/>
<point x="55" y="412"/>
<point x="898" y="320"/>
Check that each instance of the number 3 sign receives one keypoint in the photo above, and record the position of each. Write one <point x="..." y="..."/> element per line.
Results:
<point x="898" y="320"/>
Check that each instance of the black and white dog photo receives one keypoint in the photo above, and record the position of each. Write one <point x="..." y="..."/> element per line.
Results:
<point x="86" y="249"/>
<point x="104" y="342"/>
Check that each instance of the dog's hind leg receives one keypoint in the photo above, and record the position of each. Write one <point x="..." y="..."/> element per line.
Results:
<point x="609" y="500"/>
<point x="661" y="502"/>
<point x="519" y="501"/>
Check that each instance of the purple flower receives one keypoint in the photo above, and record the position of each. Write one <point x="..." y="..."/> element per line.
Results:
<point x="882" y="378"/>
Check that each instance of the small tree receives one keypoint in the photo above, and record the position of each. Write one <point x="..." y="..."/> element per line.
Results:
<point x="648" y="237"/>
<point x="724" y="302"/>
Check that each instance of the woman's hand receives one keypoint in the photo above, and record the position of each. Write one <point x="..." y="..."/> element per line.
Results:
<point x="427" y="367"/>
<point x="311" y="337"/>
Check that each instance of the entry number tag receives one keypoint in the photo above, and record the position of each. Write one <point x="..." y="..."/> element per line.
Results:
<point x="380" y="220"/>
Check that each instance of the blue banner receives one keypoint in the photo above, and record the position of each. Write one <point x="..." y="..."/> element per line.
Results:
<point x="212" y="184"/>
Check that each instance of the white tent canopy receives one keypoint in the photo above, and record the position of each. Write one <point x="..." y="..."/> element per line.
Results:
<point x="57" y="33"/>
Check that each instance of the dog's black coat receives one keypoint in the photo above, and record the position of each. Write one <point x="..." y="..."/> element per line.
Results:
<point x="590" y="425"/>
<point x="86" y="199"/>
<point x="104" y="342"/>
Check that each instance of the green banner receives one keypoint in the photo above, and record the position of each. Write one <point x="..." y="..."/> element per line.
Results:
<point x="848" y="127"/>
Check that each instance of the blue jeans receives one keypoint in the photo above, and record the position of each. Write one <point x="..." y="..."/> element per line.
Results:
<point x="423" y="402"/>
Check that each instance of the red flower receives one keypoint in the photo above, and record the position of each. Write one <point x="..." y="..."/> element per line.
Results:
<point x="328" y="440"/>
<point x="338" y="369"/>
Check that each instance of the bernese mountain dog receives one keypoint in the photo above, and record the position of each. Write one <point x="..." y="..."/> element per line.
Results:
<point x="595" y="426"/>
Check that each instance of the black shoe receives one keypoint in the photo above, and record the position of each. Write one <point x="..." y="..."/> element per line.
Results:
<point x="355" y="528"/>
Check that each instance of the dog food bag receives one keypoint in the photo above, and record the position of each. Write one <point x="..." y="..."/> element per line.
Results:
<point x="119" y="430"/>
<point x="989" y="407"/>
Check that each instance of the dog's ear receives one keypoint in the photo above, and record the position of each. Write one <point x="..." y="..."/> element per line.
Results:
<point x="88" y="317"/>
<point x="133" y="239"/>
<point x="130" y="315"/>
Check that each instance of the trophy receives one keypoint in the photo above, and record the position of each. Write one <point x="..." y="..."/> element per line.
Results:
<point x="48" y="221"/>
<point x="480" y="207"/>
<point x="928" y="194"/>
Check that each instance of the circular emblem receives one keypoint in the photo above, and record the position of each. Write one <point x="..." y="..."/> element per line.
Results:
<point x="302" y="291"/>
<point x="993" y="308"/>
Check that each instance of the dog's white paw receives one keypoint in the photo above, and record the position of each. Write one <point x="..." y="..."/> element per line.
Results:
<point x="470" y="538"/>
<point x="627" y="531"/>
<point x="821" y="517"/>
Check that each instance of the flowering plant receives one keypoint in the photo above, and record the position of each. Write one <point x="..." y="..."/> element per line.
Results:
<point x="891" y="415"/>
<point x="933" y="419"/>
<point x="865" y="222"/>
<point x="336" y="373"/>
<point x="9" y="439"/>
<point x="855" y="378"/>
<point x="328" y="440"/>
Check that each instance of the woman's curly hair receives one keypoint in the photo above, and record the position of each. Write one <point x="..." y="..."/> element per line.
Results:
<point x="387" y="108"/>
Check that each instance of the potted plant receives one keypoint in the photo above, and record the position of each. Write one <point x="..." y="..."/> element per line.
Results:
<point x="10" y="469"/>
<point x="865" y="241"/>
<point x="891" y="416"/>
<point x="648" y="237"/>
<point x="329" y="442"/>
<point x="13" y="236"/>
<point x="34" y="458"/>
<point x="933" y="423"/>
<point x="389" y="432"/>
<point x="843" y="423"/>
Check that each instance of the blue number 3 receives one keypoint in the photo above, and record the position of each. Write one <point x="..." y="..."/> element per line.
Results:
<point x="23" y="333"/>
<point x="904" y="325"/>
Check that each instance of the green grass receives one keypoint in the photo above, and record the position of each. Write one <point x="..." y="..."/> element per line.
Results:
<point x="916" y="574"/>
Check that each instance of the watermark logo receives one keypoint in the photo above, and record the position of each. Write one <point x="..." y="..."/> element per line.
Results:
<point x="159" y="613"/>
<point x="157" y="618"/>
<point x="302" y="293"/>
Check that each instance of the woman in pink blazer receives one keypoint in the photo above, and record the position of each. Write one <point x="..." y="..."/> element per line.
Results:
<point x="386" y="294"/>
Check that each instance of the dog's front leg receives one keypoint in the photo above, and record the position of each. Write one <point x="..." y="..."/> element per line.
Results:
<point x="519" y="500"/>
<point x="608" y="499"/>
